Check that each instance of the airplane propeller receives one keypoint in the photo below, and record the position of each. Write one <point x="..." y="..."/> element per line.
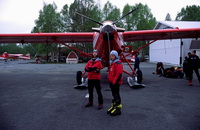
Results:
<point x="108" y="29"/>
<point x="90" y="19"/>
<point x="102" y="23"/>
<point x="125" y="15"/>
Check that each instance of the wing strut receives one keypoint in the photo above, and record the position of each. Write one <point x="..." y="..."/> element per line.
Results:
<point x="73" y="48"/>
<point x="144" y="46"/>
<point x="124" y="56"/>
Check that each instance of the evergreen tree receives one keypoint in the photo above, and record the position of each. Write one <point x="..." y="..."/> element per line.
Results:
<point x="66" y="18"/>
<point x="168" y="17"/>
<point x="127" y="21"/>
<point x="111" y="13"/>
<point x="87" y="8"/>
<point x="142" y="19"/>
<point x="81" y="24"/>
<point x="190" y="13"/>
<point x="48" y="21"/>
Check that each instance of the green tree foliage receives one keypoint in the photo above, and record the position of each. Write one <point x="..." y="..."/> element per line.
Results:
<point x="145" y="21"/>
<point x="127" y="21"/>
<point x="10" y="48"/>
<point x="66" y="18"/>
<point x="17" y="49"/>
<point x="87" y="8"/>
<point x="142" y="19"/>
<point x="81" y="24"/>
<point x="111" y="12"/>
<point x="49" y="21"/>
<point x="28" y="48"/>
<point x="190" y="13"/>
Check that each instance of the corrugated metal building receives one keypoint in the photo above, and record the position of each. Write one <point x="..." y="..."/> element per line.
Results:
<point x="174" y="51"/>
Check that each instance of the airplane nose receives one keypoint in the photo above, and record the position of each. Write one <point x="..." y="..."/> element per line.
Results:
<point x="108" y="29"/>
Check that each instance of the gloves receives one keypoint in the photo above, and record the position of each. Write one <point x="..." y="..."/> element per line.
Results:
<point x="87" y="70"/>
<point x="90" y="69"/>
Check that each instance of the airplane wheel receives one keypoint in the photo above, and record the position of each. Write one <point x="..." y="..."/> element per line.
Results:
<point x="139" y="76"/>
<point x="78" y="77"/>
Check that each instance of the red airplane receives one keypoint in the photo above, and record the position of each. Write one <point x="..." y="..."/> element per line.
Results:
<point x="106" y="38"/>
<point x="19" y="56"/>
<point x="6" y="56"/>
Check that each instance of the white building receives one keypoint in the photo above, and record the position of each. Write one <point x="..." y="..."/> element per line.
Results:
<point x="174" y="51"/>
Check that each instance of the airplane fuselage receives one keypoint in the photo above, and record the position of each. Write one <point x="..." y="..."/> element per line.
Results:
<point x="106" y="39"/>
<point x="14" y="56"/>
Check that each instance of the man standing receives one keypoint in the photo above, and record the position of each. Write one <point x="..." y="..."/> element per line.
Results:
<point x="93" y="68"/>
<point x="186" y="68"/>
<point x="137" y="62"/>
<point x="194" y="64"/>
<point x="115" y="80"/>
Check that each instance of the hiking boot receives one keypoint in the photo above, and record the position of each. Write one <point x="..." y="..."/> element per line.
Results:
<point x="116" y="111"/>
<point x="89" y="104"/>
<point x="100" y="106"/>
<point x="110" y="109"/>
<point x="190" y="82"/>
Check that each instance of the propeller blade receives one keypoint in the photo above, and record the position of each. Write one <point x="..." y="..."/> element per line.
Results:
<point x="90" y="19"/>
<point x="108" y="47"/>
<point x="125" y="15"/>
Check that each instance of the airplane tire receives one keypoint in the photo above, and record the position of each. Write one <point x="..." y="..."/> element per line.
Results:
<point x="139" y="76"/>
<point x="78" y="77"/>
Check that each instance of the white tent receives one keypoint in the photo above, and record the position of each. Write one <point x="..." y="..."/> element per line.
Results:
<point x="72" y="58"/>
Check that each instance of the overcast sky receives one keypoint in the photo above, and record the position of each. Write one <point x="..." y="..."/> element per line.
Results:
<point x="18" y="16"/>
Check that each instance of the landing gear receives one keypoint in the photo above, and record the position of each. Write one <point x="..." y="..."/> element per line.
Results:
<point x="79" y="77"/>
<point x="82" y="82"/>
<point x="136" y="80"/>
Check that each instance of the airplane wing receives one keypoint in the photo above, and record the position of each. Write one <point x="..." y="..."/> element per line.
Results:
<point x="47" y="38"/>
<point x="130" y="36"/>
<point x="87" y="37"/>
<point x="2" y="58"/>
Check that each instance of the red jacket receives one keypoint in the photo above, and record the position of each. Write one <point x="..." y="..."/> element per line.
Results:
<point x="115" y="72"/>
<point x="93" y="68"/>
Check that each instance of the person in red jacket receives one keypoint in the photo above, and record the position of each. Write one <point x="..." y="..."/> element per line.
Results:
<point x="115" y="80"/>
<point x="93" y="68"/>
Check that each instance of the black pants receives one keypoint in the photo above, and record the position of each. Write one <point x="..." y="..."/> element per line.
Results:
<point x="91" y="84"/>
<point x="115" y="93"/>
<point x="191" y="73"/>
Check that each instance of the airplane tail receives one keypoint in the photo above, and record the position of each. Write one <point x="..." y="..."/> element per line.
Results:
<point x="5" y="55"/>
<point x="28" y="55"/>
